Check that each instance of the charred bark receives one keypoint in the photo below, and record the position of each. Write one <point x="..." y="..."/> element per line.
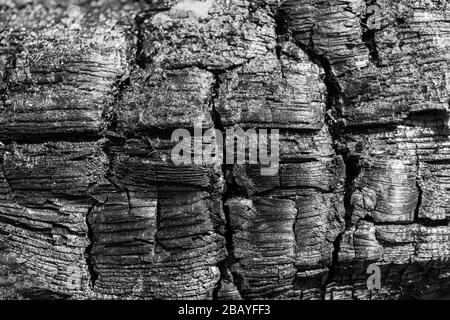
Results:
<point x="92" y="206"/>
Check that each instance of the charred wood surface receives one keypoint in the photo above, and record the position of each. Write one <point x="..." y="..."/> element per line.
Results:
<point x="92" y="206"/>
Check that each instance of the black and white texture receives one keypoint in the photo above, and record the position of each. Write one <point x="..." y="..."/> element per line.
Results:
<point x="91" y="205"/>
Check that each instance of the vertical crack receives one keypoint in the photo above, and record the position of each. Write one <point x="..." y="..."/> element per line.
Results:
<point x="225" y="266"/>
<point x="140" y="58"/>
<point x="119" y="88"/>
<point x="128" y="200"/>
<point x="419" y="188"/>
<point x="88" y="251"/>
<point x="333" y="111"/>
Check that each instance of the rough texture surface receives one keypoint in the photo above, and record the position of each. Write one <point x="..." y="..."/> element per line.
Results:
<point x="91" y="205"/>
